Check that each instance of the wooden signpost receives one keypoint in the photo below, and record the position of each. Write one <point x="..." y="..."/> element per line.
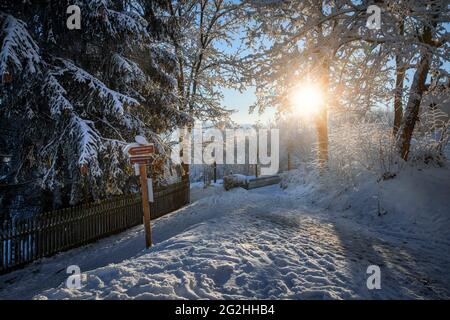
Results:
<point x="142" y="151"/>
<point x="142" y="155"/>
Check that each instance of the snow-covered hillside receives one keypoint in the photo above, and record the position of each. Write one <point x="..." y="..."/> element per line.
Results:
<point x="296" y="243"/>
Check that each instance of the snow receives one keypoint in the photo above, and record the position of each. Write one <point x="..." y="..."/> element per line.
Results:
<point x="56" y="95"/>
<point x="88" y="140"/>
<point x="116" y="101"/>
<point x="128" y="23"/>
<point x="416" y="201"/>
<point x="18" y="48"/>
<point x="129" y="70"/>
<point x="302" y="242"/>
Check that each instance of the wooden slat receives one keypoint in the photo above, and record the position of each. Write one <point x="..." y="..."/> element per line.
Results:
<point x="23" y="241"/>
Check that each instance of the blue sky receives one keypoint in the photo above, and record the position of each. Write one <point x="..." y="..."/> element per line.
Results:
<point x="241" y="101"/>
<point x="233" y="99"/>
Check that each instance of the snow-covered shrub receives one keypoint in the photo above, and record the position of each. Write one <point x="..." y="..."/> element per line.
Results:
<point x="430" y="136"/>
<point x="297" y="138"/>
<point x="358" y="146"/>
<point x="362" y="146"/>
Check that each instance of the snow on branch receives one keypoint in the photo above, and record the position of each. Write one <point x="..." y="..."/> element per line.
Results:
<point x="116" y="103"/>
<point x="129" y="70"/>
<point x="18" y="50"/>
<point x="88" y="142"/>
<point x="119" y="24"/>
<point x="56" y="95"/>
<point x="129" y="23"/>
<point x="161" y="55"/>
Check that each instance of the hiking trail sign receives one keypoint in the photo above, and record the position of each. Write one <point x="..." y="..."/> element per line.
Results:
<point x="142" y="154"/>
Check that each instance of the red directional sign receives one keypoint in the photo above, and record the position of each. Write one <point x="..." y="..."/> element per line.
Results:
<point x="141" y="154"/>
<point x="141" y="160"/>
<point x="142" y="150"/>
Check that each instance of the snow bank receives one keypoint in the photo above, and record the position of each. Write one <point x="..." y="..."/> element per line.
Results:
<point x="416" y="201"/>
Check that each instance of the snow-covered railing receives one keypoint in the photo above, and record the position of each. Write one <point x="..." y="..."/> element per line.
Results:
<point x="26" y="240"/>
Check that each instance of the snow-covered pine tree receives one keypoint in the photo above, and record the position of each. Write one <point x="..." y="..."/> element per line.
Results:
<point x="75" y="97"/>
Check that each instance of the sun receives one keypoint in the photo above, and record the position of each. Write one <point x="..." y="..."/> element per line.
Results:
<point x="306" y="100"/>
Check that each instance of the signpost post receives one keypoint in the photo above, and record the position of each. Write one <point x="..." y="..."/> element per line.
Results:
<point x="142" y="155"/>
<point x="145" y="205"/>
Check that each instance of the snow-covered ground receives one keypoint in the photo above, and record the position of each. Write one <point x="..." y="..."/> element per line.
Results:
<point x="303" y="242"/>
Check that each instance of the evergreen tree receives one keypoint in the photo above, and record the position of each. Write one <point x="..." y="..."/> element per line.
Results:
<point x="75" y="97"/>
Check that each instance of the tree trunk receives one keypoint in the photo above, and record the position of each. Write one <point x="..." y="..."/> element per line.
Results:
<point x="412" y="108"/>
<point x="400" y="77"/>
<point x="418" y="87"/>
<point x="322" y="118"/>
<point x="398" y="103"/>
<point x="322" y="136"/>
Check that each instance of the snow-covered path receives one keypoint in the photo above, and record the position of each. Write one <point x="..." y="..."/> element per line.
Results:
<point x="243" y="244"/>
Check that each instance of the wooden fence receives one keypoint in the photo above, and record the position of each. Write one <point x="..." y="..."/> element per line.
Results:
<point x="25" y="240"/>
